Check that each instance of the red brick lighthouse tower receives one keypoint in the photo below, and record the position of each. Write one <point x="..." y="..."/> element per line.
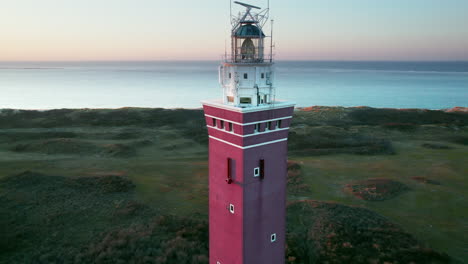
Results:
<point x="248" y="132"/>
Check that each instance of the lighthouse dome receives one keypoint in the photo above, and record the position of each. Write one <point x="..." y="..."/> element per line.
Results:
<point x="249" y="31"/>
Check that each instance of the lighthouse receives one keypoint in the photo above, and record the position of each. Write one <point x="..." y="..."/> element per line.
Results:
<point x="248" y="131"/>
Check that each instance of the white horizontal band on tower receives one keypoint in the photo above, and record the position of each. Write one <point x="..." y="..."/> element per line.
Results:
<point x="251" y="123"/>
<point x="249" y="135"/>
<point x="251" y="146"/>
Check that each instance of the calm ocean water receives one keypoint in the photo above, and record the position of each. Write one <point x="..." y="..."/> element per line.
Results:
<point x="47" y="85"/>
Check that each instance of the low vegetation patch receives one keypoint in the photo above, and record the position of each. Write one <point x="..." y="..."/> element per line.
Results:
<point x="380" y="116"/>
<point x="123" y="117"/>
<point x="53" y="219"/>
<point x="400" y="126"/>
<point x="378" y="189"/>
<point x="392" y="118"/>
<point x="435" y="146"/>
<point x="105" y="184"/>
<point x="48" y="219"/>
<point x="19" y="136"/>
<point x="167" y="239"/>
<point x="329" y="142"/>
<point x="425" y="180"/>
<point x="462" y="140"/>
<point x="75" y="147"/>
<point x="321" y="232"/>
<point x="296" y="183"/>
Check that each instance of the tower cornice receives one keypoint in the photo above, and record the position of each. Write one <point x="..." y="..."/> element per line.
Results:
<point x="273" y="105"/>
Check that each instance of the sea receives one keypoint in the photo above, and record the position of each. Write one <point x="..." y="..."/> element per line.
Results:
<point x="184" y="84"/>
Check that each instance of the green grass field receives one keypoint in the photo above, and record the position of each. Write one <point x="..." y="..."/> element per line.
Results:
<point x="164" y="154"/>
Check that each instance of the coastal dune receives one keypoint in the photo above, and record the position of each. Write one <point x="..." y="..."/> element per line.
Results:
<point x="120" y="185"/>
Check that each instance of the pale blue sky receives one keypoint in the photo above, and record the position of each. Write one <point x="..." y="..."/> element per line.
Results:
<point x="304" y="29"/>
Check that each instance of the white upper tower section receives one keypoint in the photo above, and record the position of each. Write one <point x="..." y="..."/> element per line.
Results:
<point x="247" y="74"/>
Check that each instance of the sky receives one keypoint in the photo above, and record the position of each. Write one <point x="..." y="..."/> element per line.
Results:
<point x="66" y="30"/>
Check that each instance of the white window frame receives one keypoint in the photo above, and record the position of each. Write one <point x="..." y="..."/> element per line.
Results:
<point x="273" y="237"/>
<point x="257" y="172"/>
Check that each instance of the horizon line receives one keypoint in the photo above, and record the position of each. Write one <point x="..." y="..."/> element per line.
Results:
<point x="213" y="60"/>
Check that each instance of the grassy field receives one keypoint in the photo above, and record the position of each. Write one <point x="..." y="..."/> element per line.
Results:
<point x="90" y="181"/>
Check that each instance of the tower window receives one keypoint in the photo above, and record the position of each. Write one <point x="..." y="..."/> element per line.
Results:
<point x="229" y="171"/>
<point x="246" y="76"/>
<point x="231" y="208"/>
<point x="273" y="237"/>
<point x="214" y="122"/>
<point x="257" y="128"/>
<point x="230" y="127"/>
<point x="278" y="124"/>
<point x="263" y="75"/>
<point x="230" y="75"/>
<point x="221" y="124"/>
<point x="262" y="168"/>
<point x="270" y="125"/>
<point x="257" y="172"/>
<point x="245" y="100"/>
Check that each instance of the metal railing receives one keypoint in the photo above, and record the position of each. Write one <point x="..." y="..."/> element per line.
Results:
<point x="247" y="58"/>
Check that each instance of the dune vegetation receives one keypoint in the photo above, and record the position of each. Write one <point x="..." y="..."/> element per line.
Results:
<point x="129" y="185"/>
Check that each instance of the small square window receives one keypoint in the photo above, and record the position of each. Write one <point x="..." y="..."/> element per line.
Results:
<point x="246" y="76"/>
<point x="221" y="124"/>
<point x="230" y="127"/>
<point x="273" y="237"/>
<point x="263" y="75"/>
<point x="230" y="75"/>
<point x="256" y="172"/>
<point x="278" y="124"/>
<point x="231" y="208"/>
<point x="214" y="122"/>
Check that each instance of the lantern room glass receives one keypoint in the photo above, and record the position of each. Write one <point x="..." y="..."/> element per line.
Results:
<point x="248" y="50"/>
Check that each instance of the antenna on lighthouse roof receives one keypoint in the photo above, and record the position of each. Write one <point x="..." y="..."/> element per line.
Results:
<point x="249" y="16"/>
<point x="246" y="5"/>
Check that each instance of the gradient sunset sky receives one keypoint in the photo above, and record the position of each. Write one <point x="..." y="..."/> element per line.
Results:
<point x="41" y="30"/>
